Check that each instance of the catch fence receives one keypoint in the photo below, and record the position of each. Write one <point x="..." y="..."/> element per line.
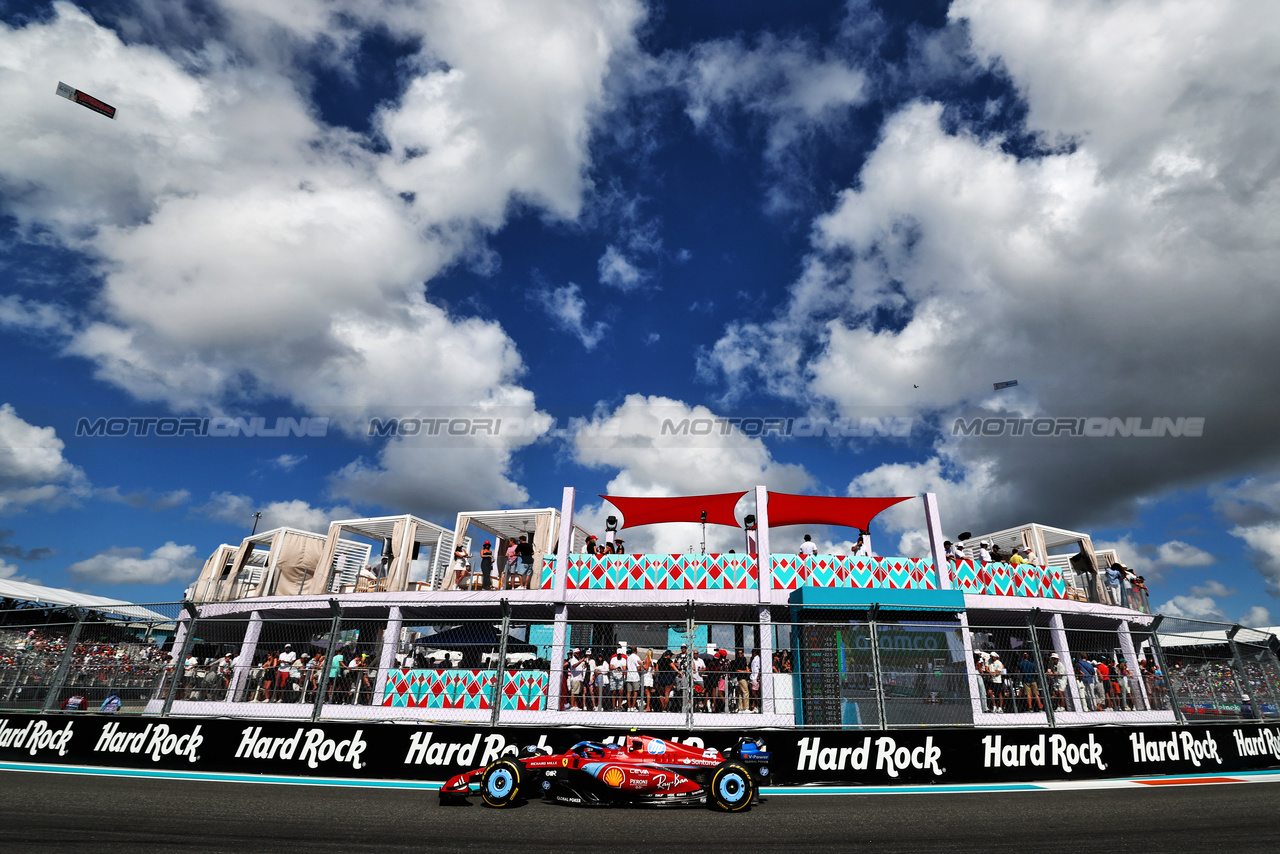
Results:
<point x="698" y="665"/>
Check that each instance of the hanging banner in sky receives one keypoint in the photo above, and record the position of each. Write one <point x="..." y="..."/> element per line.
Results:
<point x="85" y="100"/>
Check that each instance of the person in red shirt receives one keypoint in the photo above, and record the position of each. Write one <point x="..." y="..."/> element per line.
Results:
<point x="1104" y="679"/>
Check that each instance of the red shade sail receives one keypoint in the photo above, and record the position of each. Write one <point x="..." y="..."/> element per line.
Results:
<point x="785" y="509"/>
<point x="681" y="508"/>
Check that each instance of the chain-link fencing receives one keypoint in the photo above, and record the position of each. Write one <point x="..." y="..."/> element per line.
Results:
<point x="592" y="664"/>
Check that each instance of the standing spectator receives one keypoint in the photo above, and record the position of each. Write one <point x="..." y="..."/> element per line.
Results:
<point x="987" y="694"/>
<point x="1141" y="594"/>
<point x="646" y="679"/>
<point x="618" y="678"/>
<point x="1123" y="691"/>
<point x="633" y="680"/>
<point x="576" y="674"/>
<point x="697" y="667"/>
<point x="486" y="565"/>
<point x="361" y="687"/>
<point x="314" y="668"/>
<point x="998" y="687"/>
<point x="337" y="672"/>
<point x="1113" y="575"/>
<point x="1030" y="683"/>
<point x="226" y="667"/>
<point x="997" y="556"/>
<point x="461" y="564"/>
<point x="524" y="550"/>
<point x="983" y="554"/>
<point x="602" y="680"/>
<point x="1102" y="685"/>
<point x="509" y="568"/>
<point x="267" y="675"/>
<point x="715" y="681"/>
<point x="740" y="670"/>
<point x="862" y="548"/>
<point x="668" y="671"/>
<point x="1058" y="675"/>
<point x="1085" y="669"/>
<point x="188" y="674"/>
<point x="284" y="671"/>
<point x="807" y="548"/>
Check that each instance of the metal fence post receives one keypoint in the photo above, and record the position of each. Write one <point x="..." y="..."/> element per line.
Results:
<point x="875" y="666"/>
<point x="1267" y="671"/>
<point x="64" y="666"/>
<point x="1255" y="705"/>
<point x="323" y="689"/>
<point x="1046" y="699"/>
<point x="500" y="666"/>
<point x="686" y="687"/>
<point x="187" y="640"/>
<point x="1164" y="668"/>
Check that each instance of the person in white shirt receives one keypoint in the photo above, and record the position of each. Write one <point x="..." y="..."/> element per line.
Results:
<point x="807" y="548"/>
<point x="699" y="687"/>
<point x="633" y="680"/>
<point x="862" y="548"/>
<point x="983" y="554"/>
<point x="618" y="677"/>
<point x="284" y="670"/>
<point x="997" y="670"/>
<point x="576" y="672"/>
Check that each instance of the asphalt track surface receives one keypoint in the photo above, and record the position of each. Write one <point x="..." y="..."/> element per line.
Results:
<point x="66" y="812"/>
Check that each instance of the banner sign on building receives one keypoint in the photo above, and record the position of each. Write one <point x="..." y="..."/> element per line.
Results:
<point x="434" y="753"/>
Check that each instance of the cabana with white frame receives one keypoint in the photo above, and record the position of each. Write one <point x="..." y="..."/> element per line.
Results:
<point x="540" y="525"/>
<point x="1041" y="539"/>
<point x="400" y="564"/>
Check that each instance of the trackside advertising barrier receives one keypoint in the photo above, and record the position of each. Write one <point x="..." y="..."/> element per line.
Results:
<point x="434" y="753"/>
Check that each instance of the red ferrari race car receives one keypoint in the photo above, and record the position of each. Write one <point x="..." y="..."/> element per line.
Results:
<point x="641" y="770"/>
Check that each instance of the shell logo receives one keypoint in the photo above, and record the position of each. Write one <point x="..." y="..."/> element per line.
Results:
<point x="613" y="777"/>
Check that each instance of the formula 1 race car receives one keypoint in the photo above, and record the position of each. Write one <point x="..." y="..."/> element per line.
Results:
<point x="641" y="770"/>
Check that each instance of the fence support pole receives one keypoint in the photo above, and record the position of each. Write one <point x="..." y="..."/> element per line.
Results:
<point x="686" y="678"/>
<point x="188" y="639"/>
<point x="244" y="661"/>
<point x="1137" y="690"/>
<point x="875" y="665"/>
<point x="559" y="638"/>
<point x="977" y="686"/>
<point x="1058" y="632"/>
<point x="318" y="704"/>
<point x="766" y="662"/>
<point x="64" y="666"/>
<point x="1164" y="668"/>
<point x="1046" y="699"/>
<point x="500" y="666"/>
<point x="1255" y="705"/>
<point x="387" y="657"/>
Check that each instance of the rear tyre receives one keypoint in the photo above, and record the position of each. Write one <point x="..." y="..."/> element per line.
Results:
<point x="731" y="788"/>
<point x="500" y="783"/>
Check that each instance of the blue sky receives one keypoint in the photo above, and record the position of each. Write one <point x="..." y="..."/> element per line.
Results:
<point x="591" y="218"/>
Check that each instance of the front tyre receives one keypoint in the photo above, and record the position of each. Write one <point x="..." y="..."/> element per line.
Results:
<point x="500" y="783"/>
<point x="731" y="788"/>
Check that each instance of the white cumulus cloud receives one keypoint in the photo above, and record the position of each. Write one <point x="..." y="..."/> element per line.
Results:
<point x="169" y="562"/>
